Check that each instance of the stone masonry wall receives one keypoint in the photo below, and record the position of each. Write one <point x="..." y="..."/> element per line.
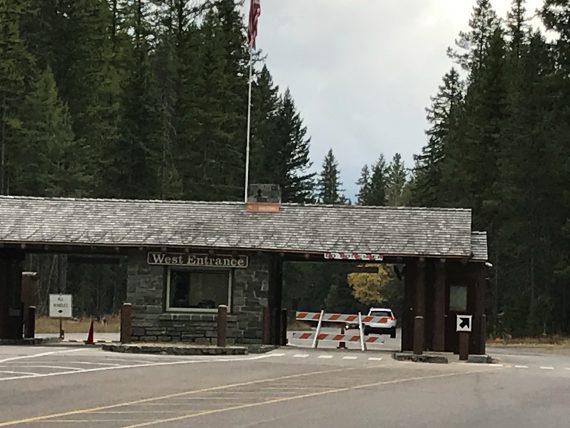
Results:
<point x="146" y="289"/>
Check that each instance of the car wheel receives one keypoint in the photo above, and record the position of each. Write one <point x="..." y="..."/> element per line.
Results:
<point x="393" y="332"/>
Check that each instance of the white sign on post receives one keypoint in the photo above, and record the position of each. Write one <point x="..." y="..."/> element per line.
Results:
<point x="60" y="306"/>
<point x="464" y="323"/>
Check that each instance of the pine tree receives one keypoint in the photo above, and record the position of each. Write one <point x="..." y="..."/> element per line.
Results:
<point x="50" y="160"/>
<point x="364" y="186"/>
<point x="442" y="116"/>
<point x="88" y="81"/>
<point x="134" y="172"/>
<point x="378" y="184"/>
<point x="470" y="167"/>
<point x="289" y="163"/>
<point x="17" y="68"/>
<point x="396" y="180"/>
<point x="556" y="130"/>
<point x="556" y="17"/>
<point x="265" y="104"/>
<point x="218" y="123"/>
<point x="475" y="43"/>
<point x="329" y="187"/>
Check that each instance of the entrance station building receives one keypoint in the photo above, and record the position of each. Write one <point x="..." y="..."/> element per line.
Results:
<point x="186" y="258"/>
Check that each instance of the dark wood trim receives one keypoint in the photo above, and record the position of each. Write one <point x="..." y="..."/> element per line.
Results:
<point x="438" y="330"/>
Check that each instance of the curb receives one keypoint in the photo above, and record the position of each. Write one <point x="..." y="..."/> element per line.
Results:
<point x="423" y="358"/>
<point x="175" y="350"/>
<point x="34" y="341"/>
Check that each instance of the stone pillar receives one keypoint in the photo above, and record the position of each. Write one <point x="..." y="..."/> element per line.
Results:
<point x="420" y="309"/>
<point x="438" y="334"/>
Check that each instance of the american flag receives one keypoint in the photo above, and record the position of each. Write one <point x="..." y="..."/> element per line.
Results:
<point x="254" y="12"/>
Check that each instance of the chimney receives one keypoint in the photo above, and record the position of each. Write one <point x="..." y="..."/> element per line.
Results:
<point x="263" y="198"/>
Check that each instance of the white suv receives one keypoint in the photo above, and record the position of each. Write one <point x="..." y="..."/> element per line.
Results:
<point x="386" y="324"/>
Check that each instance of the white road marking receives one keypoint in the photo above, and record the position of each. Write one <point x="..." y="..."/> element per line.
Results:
<point x="521" y="367"/>
<point x="496" y="365"/>
<point x="325" y="357"/>
<point x="546" y="368"/>
<point x="133" y="366"/>
<point x="191" y="415"/>
<point x="131" y="360"/>
<point x="43" y="354"/>
<point x="20" y="373"/>
<point x="47" y="417"/>
<point x="375" y="358"/>
<point x="349" y="358"/>
<point x="279" y="354"/>
<point x="135" y="412"/>
<point x="41" y="366"/>
<point x="85" y="421"/>
<point x="300" y="355"/>
<point x="92" y="364"/>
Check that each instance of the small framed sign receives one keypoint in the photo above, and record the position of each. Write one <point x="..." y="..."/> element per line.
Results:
<point x="60" y="306"/>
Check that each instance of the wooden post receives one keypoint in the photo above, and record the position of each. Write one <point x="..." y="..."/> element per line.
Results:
<point x="419" y="326"/>
<point x="266" y="326"/>
<point x="420" y="309"/>
<point x="283" y="327"/>
<point x="483" y="335"/>
<point x="479" y="319"/>
<point x="438" y="337"/>
<point x="222" y="325"/>
<point x="409" y="301"/>
<point x="30" y="332"/>
<point x="126" y="322"/>
<point x="463" y="345"/>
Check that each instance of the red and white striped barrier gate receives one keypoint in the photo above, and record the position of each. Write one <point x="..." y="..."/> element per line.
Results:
<point x="337" y="337"/>
<point x="337" y="318"/>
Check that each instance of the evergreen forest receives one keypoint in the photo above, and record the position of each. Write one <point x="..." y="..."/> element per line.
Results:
<point x="146" y="99"/>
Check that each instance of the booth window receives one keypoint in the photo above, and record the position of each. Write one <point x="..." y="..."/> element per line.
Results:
<point x="198" y="290"/>
<point x="458" y="298"/>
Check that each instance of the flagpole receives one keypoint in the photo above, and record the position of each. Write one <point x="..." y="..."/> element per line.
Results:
<point x="248" y="136"/>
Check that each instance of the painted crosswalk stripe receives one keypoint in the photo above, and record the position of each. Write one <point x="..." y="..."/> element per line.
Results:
<point x="300" y="355"/>
<point x="547" y="368"/>
<point x="349" y="358"/>
<point x="375" y="358"/>
<point x="521" y="367"/>
<point x="325" y="357"/>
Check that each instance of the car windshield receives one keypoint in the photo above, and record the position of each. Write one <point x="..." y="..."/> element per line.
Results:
<point x="380" y="313"/>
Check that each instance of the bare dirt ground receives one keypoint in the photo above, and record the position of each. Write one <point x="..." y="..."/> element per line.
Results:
<point x="51" y="325"/>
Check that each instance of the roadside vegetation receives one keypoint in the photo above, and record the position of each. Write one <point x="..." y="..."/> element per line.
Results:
<point x="110" y="324"/>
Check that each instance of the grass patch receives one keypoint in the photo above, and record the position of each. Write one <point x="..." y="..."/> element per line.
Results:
<point x="51" y="325"/>
<point x="293" y="324"/>
<point x="540" y="341"/>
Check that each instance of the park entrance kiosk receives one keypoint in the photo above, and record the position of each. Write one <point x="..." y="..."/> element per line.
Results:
<point x="186" y="258"/>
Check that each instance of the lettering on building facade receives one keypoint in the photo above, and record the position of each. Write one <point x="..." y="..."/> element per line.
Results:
<point x="196" y="260"/>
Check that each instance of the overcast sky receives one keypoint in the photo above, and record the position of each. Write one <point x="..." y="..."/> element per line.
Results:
<point x="362" y="71"/>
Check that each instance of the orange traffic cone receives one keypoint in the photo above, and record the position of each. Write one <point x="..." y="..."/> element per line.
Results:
<point x="89" y="340"/>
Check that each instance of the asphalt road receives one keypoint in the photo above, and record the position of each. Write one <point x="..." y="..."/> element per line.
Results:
<point x="290" y="387"/>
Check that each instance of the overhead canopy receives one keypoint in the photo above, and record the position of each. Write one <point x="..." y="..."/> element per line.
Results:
<point x="314" y="229"/>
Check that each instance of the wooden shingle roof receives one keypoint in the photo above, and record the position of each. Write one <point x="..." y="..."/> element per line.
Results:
<point x="429" y="232"/>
